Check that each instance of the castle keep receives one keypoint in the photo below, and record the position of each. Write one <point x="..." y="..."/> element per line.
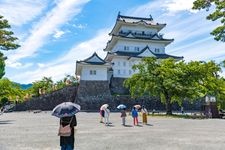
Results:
<point x="132" y="38"/>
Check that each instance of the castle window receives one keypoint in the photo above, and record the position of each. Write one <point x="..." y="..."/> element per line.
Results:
<point x="92" y="72"/>
<point x="136" y="48"/>
<point x="118" y="71"/>
<point x="124" y="63"/>
<point x="126" y="48"/>
<point x="157" y="50"/>
<point x="118" y="63"/>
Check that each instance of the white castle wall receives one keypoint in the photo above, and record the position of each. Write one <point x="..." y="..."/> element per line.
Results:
<point x="101" y="73"/>
<point x="138" y="29"/>
<point x="122" y="67"/>
<point x="119" y="46"/>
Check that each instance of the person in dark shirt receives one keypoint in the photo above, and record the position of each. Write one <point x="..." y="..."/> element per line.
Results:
<point x="67" y="142"/>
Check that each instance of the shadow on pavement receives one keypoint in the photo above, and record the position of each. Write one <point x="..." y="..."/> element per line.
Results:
<point x="139" y="125"/>
<point x="6" y="121"/>
<point x="128" y="126"/>
<point x="148" y="124"/>
<point x="110" y="125"/>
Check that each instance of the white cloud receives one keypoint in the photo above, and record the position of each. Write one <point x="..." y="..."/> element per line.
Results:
<point x="18" y="65"/>
<point x="13" y="64"/>
<point x="21" y="12"/>
<point x="80" y="26"/>
<point x="41" y="65"/>
<point x="206" y="49"/>
<point x="53" y="20"/>
<point x="162" y="8"/>
<point x="174" y="6"/>
<point x="97" y="44"/>
<point x="58" y="34"/>
<point x="66" y="64"/>
<point x="145" y="9"/>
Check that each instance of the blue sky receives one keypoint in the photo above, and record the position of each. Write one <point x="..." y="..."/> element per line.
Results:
<point x="53" y="34"/>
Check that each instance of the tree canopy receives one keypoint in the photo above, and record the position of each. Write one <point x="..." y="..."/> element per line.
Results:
<point x="10" y="90"/>
<point x="218" y="13"/>
<point x="2" y="65"/>
<point x="174" y="81"/>
<point x="7" y="42"/>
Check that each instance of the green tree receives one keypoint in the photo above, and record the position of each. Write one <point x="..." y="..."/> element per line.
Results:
<point x="173" y="81"/>
<point x="10" y="90"/>
<point x="3" y="101"/>
<point x="60" y="84"/>
<point x="7" y="42"/>
<point x="70" y="80"/>
<point x="223" y="63"/>
<point x="2" y="65"/>
<point x="217" y="14"/>
<point x="220" y="93"/>
<point x="43" y="86"/>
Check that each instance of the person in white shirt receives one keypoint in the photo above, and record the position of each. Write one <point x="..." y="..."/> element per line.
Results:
<point x="106" y="116"/>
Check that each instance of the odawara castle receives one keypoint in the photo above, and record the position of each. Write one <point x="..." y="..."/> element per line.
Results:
<point x="132" y="38"/>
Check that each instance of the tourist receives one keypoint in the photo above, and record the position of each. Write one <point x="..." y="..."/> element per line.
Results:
<point x="67" y="142"/>
<point x="102" y="114"/>
<point x="106" y="116"/>
<point x="144" y="114"/>
<point x="182" y="110"/>
<point x="135" y="116"/>
<point x="209" y="113"/>
<point x="1" y="110"/>
<point x="123" y="116"/>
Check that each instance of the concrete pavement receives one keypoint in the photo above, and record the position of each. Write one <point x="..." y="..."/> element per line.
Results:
<point x="38" y="131"/>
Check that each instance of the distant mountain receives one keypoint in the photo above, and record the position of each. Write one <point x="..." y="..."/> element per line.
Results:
<point x="24" y="86"/>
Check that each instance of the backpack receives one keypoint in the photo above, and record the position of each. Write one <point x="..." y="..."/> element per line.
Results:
<point x="66" y="130"/>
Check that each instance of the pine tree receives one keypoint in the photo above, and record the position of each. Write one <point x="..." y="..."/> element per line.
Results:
<point x="7" y="42"/>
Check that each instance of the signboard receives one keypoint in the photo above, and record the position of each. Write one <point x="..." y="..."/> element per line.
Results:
<point x="210" y="99"/>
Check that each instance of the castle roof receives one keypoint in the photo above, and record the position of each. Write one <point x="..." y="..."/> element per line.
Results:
<point x="94" y="60"/>
<point x="141" y="35"/>
<point x="156" y="38"/>
<point x="145" y="52"/>
<point x="128" y="20"/>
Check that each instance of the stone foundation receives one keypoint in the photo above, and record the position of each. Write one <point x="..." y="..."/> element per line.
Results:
<point x="49" y="101"/>
<point x="116" y="86"/>
<point x="92" y="94"/>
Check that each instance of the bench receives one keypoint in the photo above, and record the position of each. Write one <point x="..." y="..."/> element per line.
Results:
<point x="36" y="111"/>
<point x="155" y="112"/>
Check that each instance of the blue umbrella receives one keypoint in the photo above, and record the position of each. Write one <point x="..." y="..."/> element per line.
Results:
<point x="121" y="106"/>
<point x="66" y="109"/>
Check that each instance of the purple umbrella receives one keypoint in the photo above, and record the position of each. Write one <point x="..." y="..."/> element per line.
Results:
<point x="66" y="109"/>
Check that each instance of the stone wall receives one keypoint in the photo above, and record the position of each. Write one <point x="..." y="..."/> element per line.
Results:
<point x="116" y="86"/>
<point x="49" y="101"/>
<point x="92" y="94"/>
<point x="149" y="102"/>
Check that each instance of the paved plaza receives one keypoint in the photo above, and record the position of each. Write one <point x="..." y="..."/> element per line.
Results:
<point x="38" y="131"/>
